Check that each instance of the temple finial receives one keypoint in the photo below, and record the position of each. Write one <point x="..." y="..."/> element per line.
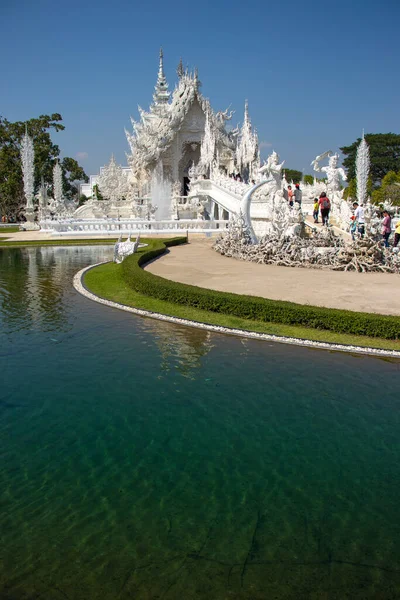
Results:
<point x="161" y="65"/>
<point x="180" y="71"/>
<point x="246" y="110"/>
<point x="161" y="95"/>
<point x="196" y="79"/>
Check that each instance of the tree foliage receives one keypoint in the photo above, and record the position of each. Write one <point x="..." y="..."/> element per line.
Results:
<point x="293" y="175"/>
<point x="384" y="153"/>
<point x="46" y="153"/>
<point x="389" y="191"/>
<point x="97" y="192"/>
<point x="350" y="192"/>
<point x="308" y="179"/>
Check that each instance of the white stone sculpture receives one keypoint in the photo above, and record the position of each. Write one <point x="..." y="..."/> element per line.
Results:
<point x="27" y="159"/>
<point x="272" y="171"/>
<point x="57" y="188"/>
<point x="124" y="249"/>
<point x="362" y="170"/>
<point x="113" y="182"/>
<point x="335" y="175"/>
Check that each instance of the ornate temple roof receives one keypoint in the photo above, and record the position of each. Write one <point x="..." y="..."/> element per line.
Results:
<point x="156" y="130"/>
<point x="153" y="135"/>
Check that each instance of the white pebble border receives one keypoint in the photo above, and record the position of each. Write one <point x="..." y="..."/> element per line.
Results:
<point x="78" y="285"/>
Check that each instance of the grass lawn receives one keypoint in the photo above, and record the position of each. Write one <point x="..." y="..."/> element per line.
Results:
<point x="10" y="229"/>
<point x="107" y="282"/>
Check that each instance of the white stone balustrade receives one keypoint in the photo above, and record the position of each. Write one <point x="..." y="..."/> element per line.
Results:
<point x="110" y="227"/>
<point x="238" y="188"/>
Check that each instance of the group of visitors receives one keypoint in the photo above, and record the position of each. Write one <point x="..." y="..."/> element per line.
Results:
<point x="293" y="196"/>
<point x="236" y="177"/>
<point x="357" y="221"/>
<point x="387" y="230"/>
<point x="357" y="224"/>
<point x="322" y="204"/>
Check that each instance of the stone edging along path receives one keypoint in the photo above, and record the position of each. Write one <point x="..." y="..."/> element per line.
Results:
<point x="78" y="285"/>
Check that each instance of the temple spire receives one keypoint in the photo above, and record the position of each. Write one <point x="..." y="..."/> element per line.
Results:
<point x="246" y="111"/>
<point x="180" y="70"/>
<point x="161" y="94"/>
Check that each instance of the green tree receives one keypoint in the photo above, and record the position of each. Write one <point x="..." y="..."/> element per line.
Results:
<point x="72" y="173"/>
<point x="82" y="199"/>
<point x="384" y="151"/>
<point x="308" y="179"/>
<point x="96" y="192"/>
<point x="293" y="175"/>
<point x="389" y="190"/>
<point x="46" y="153"/>
<point x="350" y="192"/>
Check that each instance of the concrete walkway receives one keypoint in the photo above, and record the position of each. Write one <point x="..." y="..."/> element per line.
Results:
<point x="197" y="264"/>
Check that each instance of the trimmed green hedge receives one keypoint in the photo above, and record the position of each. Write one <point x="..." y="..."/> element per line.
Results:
<point x="251" y="307"/>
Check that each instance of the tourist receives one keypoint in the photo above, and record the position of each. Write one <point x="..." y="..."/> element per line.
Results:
<point x="325" y="205"/>
<point x="386" y="228"/>
<point x="297" y="194"/>
<point x="290" y="195"/>
<point x="360" y="218"/>
<point x="353" y="227"/>
<point x="397" y="234"/>
<point x="316" y="210"/>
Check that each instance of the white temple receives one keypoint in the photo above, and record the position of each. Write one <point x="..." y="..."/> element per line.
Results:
<point x="179" y="175"/>
<point x="179" y="138"/>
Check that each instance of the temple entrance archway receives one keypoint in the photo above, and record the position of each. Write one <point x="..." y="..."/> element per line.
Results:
<point x="190" y="156"/>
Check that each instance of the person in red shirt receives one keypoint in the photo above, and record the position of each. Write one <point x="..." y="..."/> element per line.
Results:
<point x="325" y="206"/>
<point x="386" y="228"/>
<point x="290" y="195"/>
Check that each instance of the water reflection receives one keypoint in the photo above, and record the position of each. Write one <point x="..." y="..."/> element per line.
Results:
<point x="35" y="285"/>
<point x="181" y="348"/>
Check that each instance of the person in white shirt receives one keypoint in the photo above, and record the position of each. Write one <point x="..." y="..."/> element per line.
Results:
<point x="360" y="218"/>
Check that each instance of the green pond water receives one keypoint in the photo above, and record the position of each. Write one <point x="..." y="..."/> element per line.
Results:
<point x="148" y="461"/>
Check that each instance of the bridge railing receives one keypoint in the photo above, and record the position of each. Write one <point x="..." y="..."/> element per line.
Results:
<point x="127" y="226"/>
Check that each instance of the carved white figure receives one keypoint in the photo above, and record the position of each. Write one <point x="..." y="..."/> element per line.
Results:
<point x="124" y="249"/>
<point x="272" y="170"/>
<point x="335" y="175"/>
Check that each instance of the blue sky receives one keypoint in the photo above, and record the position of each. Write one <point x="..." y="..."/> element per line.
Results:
<point x="315" y="73"/>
